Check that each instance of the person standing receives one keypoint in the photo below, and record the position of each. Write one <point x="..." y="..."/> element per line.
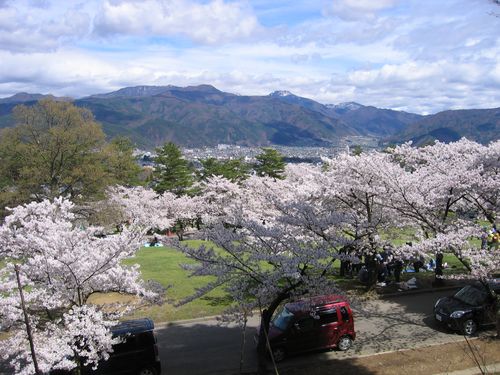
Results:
<point x="438" y="273"/>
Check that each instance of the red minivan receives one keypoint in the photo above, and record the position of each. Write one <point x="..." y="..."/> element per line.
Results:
<point x="321" y="322"/>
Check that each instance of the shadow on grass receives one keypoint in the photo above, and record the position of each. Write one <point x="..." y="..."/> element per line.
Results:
<point x="219" y="300"/>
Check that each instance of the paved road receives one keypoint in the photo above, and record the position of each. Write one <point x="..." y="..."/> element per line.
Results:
<point x="203" y="348"/>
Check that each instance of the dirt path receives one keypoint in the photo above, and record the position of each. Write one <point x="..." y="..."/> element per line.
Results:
<point x="435" y="359"/>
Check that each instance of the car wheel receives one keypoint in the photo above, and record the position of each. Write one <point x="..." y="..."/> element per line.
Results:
<point x="279" y="354"/>
<point x="344" y="343"/>
<point x="469" y="327"/>
<point x="148" y="371"/>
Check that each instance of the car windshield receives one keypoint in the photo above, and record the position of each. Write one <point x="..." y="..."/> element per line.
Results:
<point x="283" y="319"/>
<point x="471" y="295"/>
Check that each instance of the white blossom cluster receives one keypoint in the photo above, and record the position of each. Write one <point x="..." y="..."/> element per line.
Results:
<point x="60" y="266"/>
<point x="276" y="239"/>
<point x="272" y="240"/>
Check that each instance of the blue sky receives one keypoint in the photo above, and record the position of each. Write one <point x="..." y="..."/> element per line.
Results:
<point x="416" y="55"/>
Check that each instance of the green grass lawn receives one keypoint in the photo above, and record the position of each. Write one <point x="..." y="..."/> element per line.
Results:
<point x="163" y="265"/>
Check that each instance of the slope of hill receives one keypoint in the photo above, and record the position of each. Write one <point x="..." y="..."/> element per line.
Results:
<point x="8" y="104"/>
<point x="378" y="122"/>
<point x="366" y="120"/>
<point x="480" y="125"/>
<point x="136" y="91"/>
<point x="24" y="97"/>
<point x="197" y="116"/>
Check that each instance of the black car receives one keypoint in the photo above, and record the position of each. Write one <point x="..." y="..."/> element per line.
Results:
<point x="136" y="355"/>
<point x="471" y="307"/>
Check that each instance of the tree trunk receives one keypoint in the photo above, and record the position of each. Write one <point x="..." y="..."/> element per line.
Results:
<point x="498" y="323"/>
<point x="371" y="267"/>
<point x="243" y="340"/>
<point x="265" y="321"/>
<point x="179" y="229"/>
<point x="27" y="322"/>
<point x="497" y="304"/>
<point x="343" y="268"/>
<point x="497" y="296"/>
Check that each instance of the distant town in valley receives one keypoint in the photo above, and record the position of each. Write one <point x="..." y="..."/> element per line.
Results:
<point x="290" y="154"/>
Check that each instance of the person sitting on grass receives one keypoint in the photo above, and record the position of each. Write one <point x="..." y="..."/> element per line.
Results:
<point x="154" y="242"/>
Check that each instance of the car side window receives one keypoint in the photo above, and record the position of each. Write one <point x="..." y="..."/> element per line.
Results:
<point x="145" y="338"/>
<point x="344" y="313"/>
<point x="329" y="316"/>
<point x="126" y="346"/>
<point x="306" y="324"/>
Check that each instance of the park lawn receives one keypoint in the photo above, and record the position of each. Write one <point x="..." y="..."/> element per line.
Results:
<point x="162" y="264"/>
<point x="399" y="236"/>
<point x="454" y="265"/>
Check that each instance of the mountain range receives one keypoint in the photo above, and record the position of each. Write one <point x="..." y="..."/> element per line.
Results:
<point x="197" y="116"/>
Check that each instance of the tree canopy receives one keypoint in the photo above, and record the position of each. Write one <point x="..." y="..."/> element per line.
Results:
<point x="172" y="172"/>
<point x="58" y="149"/>
<point x="120" y="162"/>
<point x="59" y="264"/>
<point x="270" y="163"/>
<point x="274" y="239"/>
<point x="232" y="169"/>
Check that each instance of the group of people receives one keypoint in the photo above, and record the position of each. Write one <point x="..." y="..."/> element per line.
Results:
<point x="388" y="265"/>
<point x="384" y="267"/>
<point x="380" y="267"/>
<point x="490" y="238"/>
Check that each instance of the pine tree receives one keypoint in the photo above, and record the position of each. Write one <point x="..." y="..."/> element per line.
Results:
<point x="270" y="163"/>
<point x="235" y="170"/>
<point x="172" y="172"/>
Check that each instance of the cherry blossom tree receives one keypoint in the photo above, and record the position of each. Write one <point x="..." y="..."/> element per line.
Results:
<point x="436" y="188"/>
<point x="221" y="199"/>
<point x="272" y="241"/>
<point x="148" y="209"/>
<point x="485" y="191"/>
<point x="353" y="185"/>
<point x="61" y="262"/>
<point x="143" y="207"/>
<point x="433" y="189"/>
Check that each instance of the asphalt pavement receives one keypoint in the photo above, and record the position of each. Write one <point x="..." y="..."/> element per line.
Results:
<point x="394" y="323"/>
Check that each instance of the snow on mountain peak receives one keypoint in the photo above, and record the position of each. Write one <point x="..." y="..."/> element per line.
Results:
<point x="348" y="106"/>
<point x="281" y="93"/>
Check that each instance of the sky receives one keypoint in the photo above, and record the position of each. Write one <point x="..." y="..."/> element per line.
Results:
<point x="421" y="56"/>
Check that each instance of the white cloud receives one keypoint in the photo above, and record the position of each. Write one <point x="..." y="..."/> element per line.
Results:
<point x="357" y="9"/>
<point x="26" y="29"/>
<point x="389" y="73"/>
<point x="415" y="55"/>
<point x="210" y="22"/>
<point x="7" y="19"/>
<point x="73" y="24"/>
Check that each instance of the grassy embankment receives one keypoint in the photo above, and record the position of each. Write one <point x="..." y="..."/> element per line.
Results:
<point x="163" y="265"/>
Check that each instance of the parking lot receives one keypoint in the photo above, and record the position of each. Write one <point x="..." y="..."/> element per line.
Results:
<point x="203" y="347"/>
